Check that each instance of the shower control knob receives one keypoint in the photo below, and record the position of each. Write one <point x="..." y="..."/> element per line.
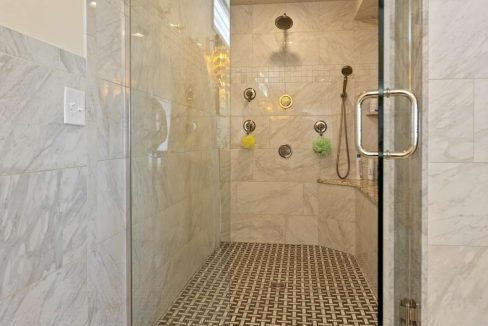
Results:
<point x="249" y="94"/>
<point x="320" y="127"/>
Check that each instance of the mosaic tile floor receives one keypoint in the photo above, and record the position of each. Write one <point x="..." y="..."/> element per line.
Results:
<point x="275" y="285"/>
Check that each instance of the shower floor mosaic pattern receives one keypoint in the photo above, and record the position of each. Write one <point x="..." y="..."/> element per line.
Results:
<point x="275" y="285"/>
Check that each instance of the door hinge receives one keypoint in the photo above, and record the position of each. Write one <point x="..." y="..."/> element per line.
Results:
<point x="409" y="313"/>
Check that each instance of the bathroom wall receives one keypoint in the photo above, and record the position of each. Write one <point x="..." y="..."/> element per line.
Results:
<point x="57" y="22"/>
<point x="178" y="133"/>
<point x="276" y="199"/>
<point x="62" y="187"/>
<point x="457" y="163"/>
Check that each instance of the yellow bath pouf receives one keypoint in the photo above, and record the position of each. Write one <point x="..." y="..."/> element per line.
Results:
<point x="247" y="141"/>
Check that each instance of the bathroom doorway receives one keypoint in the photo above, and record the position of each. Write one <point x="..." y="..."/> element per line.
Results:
<point x="267" y="188"/>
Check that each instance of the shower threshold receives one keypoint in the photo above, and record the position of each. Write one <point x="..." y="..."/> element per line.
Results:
<point x="260" y="284"/>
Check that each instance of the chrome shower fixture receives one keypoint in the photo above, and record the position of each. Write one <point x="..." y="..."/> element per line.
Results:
<point x="284" y="22"/>
<point x="249" y="94"/>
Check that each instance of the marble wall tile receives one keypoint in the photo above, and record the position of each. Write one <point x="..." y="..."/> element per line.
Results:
<point x="480" y="119"/>
<point x="457" y="285"/>
<point x="451" y="120"/>
<point x="112" y="121"/>
<point x="242" y="50"/>
<point x="269" y="49"/>
<point x="457" y="39"/>
<point x="365" y="46"/>
<point x="34" y="137"/>
<point x="457" y="205"/>
<point x="45" y="302"/>
<point x="337" y="202"/>
<point x="269" y="198"/>
<point x="110" y="29"/>
<point x="45" y="225"/>
<point x="242" y="161"/>
<point x="338" y="16"/>
<point x="325" y="34"/>
<point x="337" y="234"/>
<point x="310" y="198"/>
<point x="111" y="202"/>
<point x="336" y="47"/>
<point x="300" y="48"/>
<point x="367" y="239"/>
<point x="50" y="251"/>
<point x="73" y="212"/>
<point x="303" y="166"/>
<point x="21" y="46"/>
<point x="106" y="277"/>
<point x="241" y="19"/>
<point x="305" y="16"/>
<point x="302" y="230"/>
<point x="258" y="228"/>
<point x="337" y="217"/>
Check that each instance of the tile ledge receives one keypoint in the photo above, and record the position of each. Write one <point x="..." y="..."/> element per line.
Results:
<point x="368" y="187"/>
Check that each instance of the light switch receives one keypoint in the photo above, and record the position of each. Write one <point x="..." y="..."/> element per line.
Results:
<point x="74" y="107"/>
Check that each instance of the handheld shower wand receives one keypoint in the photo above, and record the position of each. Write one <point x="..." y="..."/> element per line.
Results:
<point x="346" y="72"/>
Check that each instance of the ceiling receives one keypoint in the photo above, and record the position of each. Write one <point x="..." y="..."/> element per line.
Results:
<point x="256" y="2"/>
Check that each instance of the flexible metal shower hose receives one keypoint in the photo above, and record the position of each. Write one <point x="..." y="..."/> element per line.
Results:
<point x="343" y="125"/>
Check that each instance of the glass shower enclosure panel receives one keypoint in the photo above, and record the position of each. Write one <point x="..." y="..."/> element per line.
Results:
<point x="400" y="186"/>
<point x="179" y="109"/>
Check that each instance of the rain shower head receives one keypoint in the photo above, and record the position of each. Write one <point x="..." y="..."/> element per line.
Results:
<point x="284" y="22"/>
<point x="347" y="71"/>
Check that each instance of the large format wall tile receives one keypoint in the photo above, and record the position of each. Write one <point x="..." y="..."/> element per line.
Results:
<point x="480" y="120"/>
<point x="112" y="121"/>
<point x="58" y="299"/>
<point x="258" y="228"/>
<point x="111" y="201"/>
<point x="50" y="184"/>
<point x="458" y="31"/>
<point x="269" y="198"/>
<point x="110" y="27"/>
<point x="241" y="19"/>
<point x="302" y="230"/>
<point x="106" y="272"/>
<point x="451" y="120"/>
<point x="457" y="204"/>
<point x="45" y="223"/>
<point x="457" y="285"/>
<point x="33" y="136"/>
<point x="303" y="166"/>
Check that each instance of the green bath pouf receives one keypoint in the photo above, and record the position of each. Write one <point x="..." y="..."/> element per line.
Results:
<point x="322" y="146"/>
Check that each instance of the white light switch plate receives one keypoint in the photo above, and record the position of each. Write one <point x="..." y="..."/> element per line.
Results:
<point x="74" y="107"/>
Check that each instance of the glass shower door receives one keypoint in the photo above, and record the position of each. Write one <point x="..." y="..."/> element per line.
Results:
<point x="399" y="160"/>
<point x="400" y="206"/>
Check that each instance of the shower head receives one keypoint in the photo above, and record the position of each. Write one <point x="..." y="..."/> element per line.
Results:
<point x="347" y="71"/>
<point x="284" y="22"/>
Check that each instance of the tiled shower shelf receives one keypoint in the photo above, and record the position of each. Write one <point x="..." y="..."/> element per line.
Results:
<point x="367" y="187"/>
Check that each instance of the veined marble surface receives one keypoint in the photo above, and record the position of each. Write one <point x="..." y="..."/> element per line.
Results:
<point x="272" y="196"/>
<point x="368" y="187"/>
<point x="63" y="188"/>
<point x="458" y="169"/>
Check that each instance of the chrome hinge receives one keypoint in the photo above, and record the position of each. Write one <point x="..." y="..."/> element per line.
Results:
<point x="408" y="312"/>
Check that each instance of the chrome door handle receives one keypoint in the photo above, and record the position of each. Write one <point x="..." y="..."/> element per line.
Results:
<point x="414" y="124"/>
